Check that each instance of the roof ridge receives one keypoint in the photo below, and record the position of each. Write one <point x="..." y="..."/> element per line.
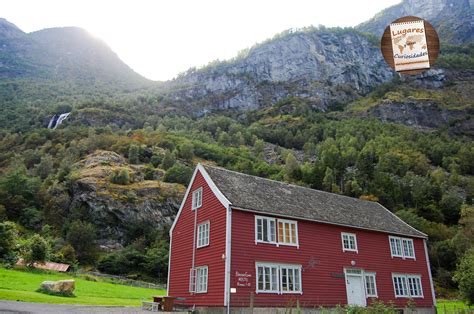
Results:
<point x="294" y="185"/>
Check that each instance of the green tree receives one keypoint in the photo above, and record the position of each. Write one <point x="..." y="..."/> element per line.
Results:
<point x="258" y="147"/>
<point x="37" y="250"/>
<point x="156" y="259"/>
<point x="292" y="167"/>
<point x="464" y="276"/>
<point x="8" y="238"/>
<point x="45" y="167"/>
<point x="156" y="160"/>
<point x="186" y="151"/>
<point x="178" y="174"/>
<point x="18" y="191"/>
<point x="82" y="236"/>
<point x="168" y="160"/>
<point x="328" y="180"/>
<point x="134" y="154"/>
<point x="450" y="204"/>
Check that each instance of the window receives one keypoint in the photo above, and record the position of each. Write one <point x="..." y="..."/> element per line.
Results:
<point x="401" y="247"/>
<point x="267" y="278"/>
<point x="197" y="198"/>
<point x="278" y="278"/>
<point x="201" y="279"/>
<point x="287" y="232"/>
<point x="408" y="286"/>
<point x="265" y="229"/>
<point x="290" y="279"/>
<point x="349" y="242"/>
<point x="203" y="234"/>
<point x="370" y="285"/>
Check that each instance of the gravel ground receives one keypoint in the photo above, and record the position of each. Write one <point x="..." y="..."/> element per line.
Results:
<point x="29" y="307"/>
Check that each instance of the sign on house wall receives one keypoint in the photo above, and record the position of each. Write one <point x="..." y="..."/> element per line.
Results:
<point x="243" y="279"/>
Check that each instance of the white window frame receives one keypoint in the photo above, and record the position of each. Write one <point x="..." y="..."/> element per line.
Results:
<point x="266" y="220"/>
<point x="405" y="280"/>
<point x="279" y="277"/>
<point x="192" y="280"/>
<point x="297" y="288"/>
<point x="203" y="235"/>
<point x="292" y="224"/>
<point x="349" y="236"/>
<point x="274" y="238"/>
<point x="197" y="198"/>
<point x="273" y="284"/>
<point x="403" y="247"/>
<point x="202" y="275"/>
<point x="374" y="276"/>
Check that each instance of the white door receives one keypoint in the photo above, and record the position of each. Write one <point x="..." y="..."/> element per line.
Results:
<point x="355" y="290"/>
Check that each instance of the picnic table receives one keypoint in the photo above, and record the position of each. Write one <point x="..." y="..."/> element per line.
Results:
<point x="159" y="303"/>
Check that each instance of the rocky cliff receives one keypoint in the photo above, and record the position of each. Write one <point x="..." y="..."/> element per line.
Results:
<point x="453" y="19"/>
<point x="121" y="211"/>
<point x="323" y="66"/>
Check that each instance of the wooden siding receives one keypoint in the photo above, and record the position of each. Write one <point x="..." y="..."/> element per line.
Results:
<point x="323" y="261"/>
<point x="182" y="249"/>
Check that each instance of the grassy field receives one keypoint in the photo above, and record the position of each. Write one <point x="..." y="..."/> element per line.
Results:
<point x="21" y="286"/>
<point x="452" y="306"/>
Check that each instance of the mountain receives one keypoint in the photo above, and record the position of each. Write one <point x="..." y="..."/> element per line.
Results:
<point x="327" y="67"/>
<point x="453" y="19"/>
<point x="316" y="107"/>
<point x="68" y="53"/>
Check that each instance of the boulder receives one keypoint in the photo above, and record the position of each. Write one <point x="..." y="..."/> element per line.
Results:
<point x="60" y="286"/>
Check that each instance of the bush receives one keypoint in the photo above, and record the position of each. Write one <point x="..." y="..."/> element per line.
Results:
<point x="81" y="235"/>
<point x="120" y="176"/>
<point x="8" y="236"/>
<point x="186" y="151"/>
<point x="156" y="160"/>
<point x="464" y="276"/>
<point x="37" y="250"/>
<point x="178" y="174"/>
<point x="168" y="161"/>
<point x="134" y="154"/>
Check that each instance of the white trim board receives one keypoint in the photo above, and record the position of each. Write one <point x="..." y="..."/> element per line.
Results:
<point x="224" y="201"/>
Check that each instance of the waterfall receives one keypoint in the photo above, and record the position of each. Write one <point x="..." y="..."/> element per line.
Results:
<point x="57" y="120"/>
<point x="52" y="121"/>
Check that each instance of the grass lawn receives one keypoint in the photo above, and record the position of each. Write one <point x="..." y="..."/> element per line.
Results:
<point x="452" y="306"/>
<point x="21" y="286"/>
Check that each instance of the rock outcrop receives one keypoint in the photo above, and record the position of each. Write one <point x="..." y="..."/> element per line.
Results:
<point x="319" y="65"/>
<point x="451" y="18"/>
<point x="424" y="114"/>
<point x="121" y="211"/>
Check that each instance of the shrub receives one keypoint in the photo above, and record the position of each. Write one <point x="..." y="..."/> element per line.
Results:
<point x="8" y="236"/>
<point x="37" y="250"/>
<point x="133" y="154"/>
<point x="120" y="176"/>
<point x="178" y="174"/>
<point x="156" y="160"/>
<point x="464" y="276"/>
<point x="186" y="151"/>
<point x="168" y="161"/>
<point x="81" y="235"/>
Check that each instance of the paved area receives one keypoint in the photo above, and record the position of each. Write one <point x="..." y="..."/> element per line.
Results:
<point x="8" y="307"/>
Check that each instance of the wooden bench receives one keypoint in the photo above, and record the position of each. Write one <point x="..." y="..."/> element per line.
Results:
<point x="151" y="306"/>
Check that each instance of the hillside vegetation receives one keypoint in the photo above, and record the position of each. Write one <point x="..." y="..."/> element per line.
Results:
<point x="102" y="190"/>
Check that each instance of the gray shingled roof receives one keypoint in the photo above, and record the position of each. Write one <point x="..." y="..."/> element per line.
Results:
<point x="278" y="198"/>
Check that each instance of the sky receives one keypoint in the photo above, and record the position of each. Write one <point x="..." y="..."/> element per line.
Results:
<point x="161" y="38"/>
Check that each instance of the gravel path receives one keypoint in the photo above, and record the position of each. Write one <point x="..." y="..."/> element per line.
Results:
<point x="29" y="307"/>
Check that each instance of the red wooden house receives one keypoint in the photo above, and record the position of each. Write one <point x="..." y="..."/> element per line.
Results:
<point x="240" y="240"/>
